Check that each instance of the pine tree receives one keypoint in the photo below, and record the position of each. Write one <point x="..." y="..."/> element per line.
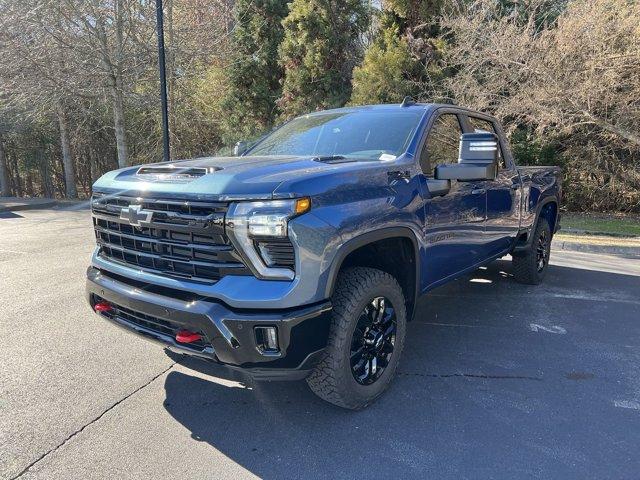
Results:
<point x="385" y="75"/>
<point x="318" y="53"/>
<point x="254" y="76"/>
<point x="403" y="60"/>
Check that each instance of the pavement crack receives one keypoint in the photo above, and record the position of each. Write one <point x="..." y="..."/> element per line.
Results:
<point x="104" y="412"/>
<point x="471" y="375"/>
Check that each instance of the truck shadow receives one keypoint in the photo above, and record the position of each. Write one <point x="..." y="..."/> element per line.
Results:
<point x="480" y="392"/>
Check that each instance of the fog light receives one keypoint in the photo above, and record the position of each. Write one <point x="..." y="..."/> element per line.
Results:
<point x="267" y="339"/>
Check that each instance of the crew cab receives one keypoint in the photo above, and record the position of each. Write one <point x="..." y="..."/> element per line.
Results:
<point x="303" y="256"/>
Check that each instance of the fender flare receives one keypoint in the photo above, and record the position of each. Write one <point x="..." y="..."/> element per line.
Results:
<point x="370" y="237"/>
<point x="541" y="204"/>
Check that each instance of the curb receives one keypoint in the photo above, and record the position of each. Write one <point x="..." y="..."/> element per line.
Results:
<point x="594" y="248"/>
<point x="573" y="231"/>
<point x="28" y="206"/>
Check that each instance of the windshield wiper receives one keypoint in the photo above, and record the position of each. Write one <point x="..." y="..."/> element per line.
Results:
<point x="334" y="159"/>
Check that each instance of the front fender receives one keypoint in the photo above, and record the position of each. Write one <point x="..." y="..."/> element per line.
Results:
<point x="370" y="237"/>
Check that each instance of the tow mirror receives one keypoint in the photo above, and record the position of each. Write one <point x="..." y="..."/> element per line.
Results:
<point x="438" y="188"/>
<point x="477" y="159"/>
<point x="240" y="148"/>
<point x="478" y="148"/>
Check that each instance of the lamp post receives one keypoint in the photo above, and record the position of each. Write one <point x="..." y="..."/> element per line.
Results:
<point x="163" y="81"/>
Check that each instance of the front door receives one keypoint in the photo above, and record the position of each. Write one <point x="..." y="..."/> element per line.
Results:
<point x="454" y="222"/>
<point x="503" y="196"/>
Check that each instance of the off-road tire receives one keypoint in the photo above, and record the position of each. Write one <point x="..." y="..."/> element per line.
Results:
<point x="332" y="380"/>
<point x="525" y="264"/>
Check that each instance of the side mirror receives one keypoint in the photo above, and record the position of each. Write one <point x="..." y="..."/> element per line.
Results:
<point x="240" y="148"/>
<point x="477" y="159"/>
<point x="478" y="148"/>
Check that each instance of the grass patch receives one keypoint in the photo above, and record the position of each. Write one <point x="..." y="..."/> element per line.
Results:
<point x="628" y="225"/>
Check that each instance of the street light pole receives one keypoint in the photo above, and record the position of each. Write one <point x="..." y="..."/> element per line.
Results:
<point x="163" y="81"/>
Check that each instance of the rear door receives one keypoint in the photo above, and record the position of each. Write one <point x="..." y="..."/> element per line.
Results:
<point x="503" y="193"/>
<point x="454" y="222"/>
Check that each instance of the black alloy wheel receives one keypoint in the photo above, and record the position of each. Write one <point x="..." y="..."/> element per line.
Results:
<point x="373" y="341"/>
<point x="531" y="265"/>
<point x="368" y="328"/>
<point x="542" y="251"/>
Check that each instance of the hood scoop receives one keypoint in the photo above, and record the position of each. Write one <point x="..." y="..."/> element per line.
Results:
<point x="172" y="173"/>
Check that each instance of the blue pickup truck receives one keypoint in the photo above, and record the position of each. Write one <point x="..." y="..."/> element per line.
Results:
<point x="303" y="256"/>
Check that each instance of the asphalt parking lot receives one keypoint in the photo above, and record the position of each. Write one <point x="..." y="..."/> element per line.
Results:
<point x="498" y="380"/>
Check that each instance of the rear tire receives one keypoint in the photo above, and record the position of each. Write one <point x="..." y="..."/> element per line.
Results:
<point x="367" y="334"/>
<point x="530" y="267"/>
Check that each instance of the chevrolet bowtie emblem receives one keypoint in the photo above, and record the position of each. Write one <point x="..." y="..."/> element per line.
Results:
<point x="135" y="215"/>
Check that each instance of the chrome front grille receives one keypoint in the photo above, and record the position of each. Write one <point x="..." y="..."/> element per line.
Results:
<point x="175" y="238"/>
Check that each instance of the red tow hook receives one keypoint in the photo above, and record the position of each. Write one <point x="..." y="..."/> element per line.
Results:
<point x="103" y="307"/>
<point x="185" y="336"/>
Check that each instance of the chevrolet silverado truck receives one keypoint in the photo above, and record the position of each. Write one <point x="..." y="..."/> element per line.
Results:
<point x="303" y="256"/>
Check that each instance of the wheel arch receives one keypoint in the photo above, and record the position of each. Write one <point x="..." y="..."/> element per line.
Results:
<point x="354" y="251"/>
<point x="547" y="208"/>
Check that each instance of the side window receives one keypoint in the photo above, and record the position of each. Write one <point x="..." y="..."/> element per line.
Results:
<point x="478" y="124"/>
<point x="443" y="142"/>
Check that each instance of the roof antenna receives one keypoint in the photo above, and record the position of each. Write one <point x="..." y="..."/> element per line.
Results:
<point x="408" y="101"/>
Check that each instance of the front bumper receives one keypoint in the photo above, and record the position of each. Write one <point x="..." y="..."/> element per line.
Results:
<point x="228" y="334"/>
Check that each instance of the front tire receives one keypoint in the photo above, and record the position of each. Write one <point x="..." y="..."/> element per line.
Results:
<point x="530" y="267"/>
<point x="365" y="341"/>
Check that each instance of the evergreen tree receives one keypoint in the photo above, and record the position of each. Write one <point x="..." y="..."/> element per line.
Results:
<point x="385" y="75"/>
<point x="254" y="76"/>
<point x="403" y="60"/>
<point x="318" y="53"/>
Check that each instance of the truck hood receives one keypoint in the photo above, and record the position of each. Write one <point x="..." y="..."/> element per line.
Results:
<point x="226" y="178"/>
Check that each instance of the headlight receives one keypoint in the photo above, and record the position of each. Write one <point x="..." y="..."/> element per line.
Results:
<point x="247" y="221"/>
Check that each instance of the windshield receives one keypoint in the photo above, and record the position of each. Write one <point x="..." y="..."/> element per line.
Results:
<point x="368" y="134"/>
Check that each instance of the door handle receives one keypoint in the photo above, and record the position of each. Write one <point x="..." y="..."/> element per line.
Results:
<point x="399" y="175"/>
<point x="478" y="191"/>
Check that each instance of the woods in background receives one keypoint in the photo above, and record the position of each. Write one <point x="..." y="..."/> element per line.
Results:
<point x="79" y="82"/>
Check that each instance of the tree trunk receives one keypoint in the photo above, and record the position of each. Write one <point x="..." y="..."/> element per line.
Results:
<point x="171" y="79"/>
<point x="67" y="160"/>
<point x="45" y="174"/>
<point x="118" y="121"/>
<point x="93" y="165"/>
<point x="116" y="84"/>
<point x="28" y="188"/>
<point x="18" y="184"/>
<point x="5" y="187"/>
